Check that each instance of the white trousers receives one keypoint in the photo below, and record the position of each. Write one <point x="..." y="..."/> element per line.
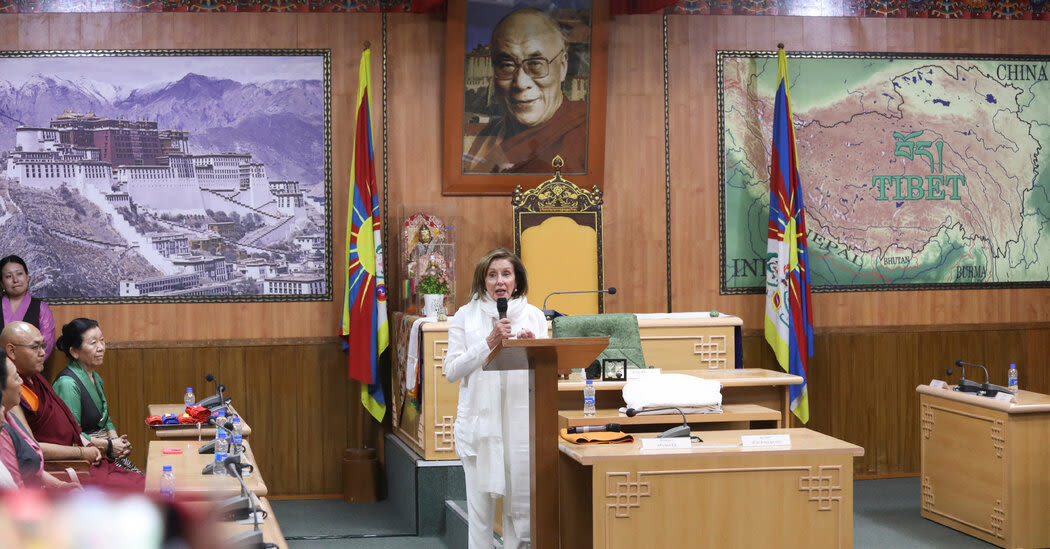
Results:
<point x="481" y="509"/>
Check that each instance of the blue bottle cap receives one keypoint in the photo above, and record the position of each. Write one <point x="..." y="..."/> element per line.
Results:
<point x="167" y="468"/>
<point x="189" y="389"/>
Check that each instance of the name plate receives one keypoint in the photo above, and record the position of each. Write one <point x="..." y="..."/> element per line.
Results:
<point x="1005" y="397"/>
<point x="635" y="373"/>
<point x="939" y="384"/>
<point x="758" y="441"/>
<point x="679" y="443"/>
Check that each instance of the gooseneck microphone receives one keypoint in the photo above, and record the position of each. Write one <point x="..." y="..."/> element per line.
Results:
<point x="987" y="388"/>
<point x="501" y="307"/>
<point x="610" y="290"/>
<point x="595" y="428"/>
<point x="674" y="432"/>
<point x="215" y="402"/>
<point x="967" y="385"/>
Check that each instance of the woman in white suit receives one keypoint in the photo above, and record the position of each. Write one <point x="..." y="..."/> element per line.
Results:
<point x="492" y="435"/>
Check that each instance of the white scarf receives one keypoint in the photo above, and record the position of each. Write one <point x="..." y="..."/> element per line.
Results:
<point x="489" y="426"/>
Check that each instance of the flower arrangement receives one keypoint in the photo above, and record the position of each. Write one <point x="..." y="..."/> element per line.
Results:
<point x="433" y="284"/>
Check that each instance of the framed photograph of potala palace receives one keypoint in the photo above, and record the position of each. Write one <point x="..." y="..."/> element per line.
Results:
<point x="168" y="175"/>
<point x="917" y="171"/>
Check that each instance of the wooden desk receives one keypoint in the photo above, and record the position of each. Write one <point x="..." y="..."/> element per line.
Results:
<point x="740" y="415"/>
<point x="767" y="389"/>
<point x="714" y="494"/>
<point x="190" y="484"/>
<point x="985" y="467"/>
<point x="207" y="432"/>
<point x="673" y="342"/>
<point x="271" y="530"/>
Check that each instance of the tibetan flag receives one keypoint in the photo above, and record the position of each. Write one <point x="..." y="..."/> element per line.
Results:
<point x="364" y="325"/>
<point x="789" y="316"/>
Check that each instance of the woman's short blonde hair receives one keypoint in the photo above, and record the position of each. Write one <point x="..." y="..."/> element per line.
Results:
<point x="521" y="279"/>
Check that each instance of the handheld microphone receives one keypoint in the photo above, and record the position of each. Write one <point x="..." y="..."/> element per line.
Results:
<point x="551" y="314"/>
<point x="674" y="432"/>
<point x="595" y="428"/>
<point x="501" y="307"/>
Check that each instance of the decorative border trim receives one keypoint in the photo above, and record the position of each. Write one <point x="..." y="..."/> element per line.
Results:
<point x="627" y="488"/>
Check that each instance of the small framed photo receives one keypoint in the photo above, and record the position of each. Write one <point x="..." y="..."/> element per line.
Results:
<point x="614" y="369"/>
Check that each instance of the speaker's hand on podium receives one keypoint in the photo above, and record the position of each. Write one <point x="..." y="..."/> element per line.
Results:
<point x="500" y="331"/>
<point x="526" y="333"/>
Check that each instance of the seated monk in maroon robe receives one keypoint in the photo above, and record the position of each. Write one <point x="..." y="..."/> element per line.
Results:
<point x="47" y="416"/>
<point x="51" y="422"/>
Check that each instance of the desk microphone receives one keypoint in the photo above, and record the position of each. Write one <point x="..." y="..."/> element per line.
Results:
<point x="987" y="388"/>
<point x="595" y="428"/>
<point x="551" y="314"/>
<point x="674" y="432"/>
<point x="501" y="307"/>
<point x="967" y="385"/>
<point x="240" y="507"/>
<point x="217" y="401"/>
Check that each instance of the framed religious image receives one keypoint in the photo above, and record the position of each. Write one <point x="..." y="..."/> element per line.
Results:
<point x="525" y="81"/>
<point x="145" y="176"/>
<point x="614" y="369"/>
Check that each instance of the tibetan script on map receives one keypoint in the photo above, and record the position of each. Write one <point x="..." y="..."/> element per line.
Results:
<point x="917" y="172"/>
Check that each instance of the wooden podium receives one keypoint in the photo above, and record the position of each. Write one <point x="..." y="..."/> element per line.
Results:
<point x="984" y="465"/>
<point x="545" y="359"/>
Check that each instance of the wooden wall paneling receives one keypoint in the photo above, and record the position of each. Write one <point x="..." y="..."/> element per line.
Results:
<point x="333" y="397"/>
<point x="1034" y="371"/>
<point x="33" y="32"/>
<point x="272" y="448"/>
<point x="287" y="373"/>
<point x="230" y="370"/>
<point x="306" y="434"/>
<point x="900" y="433"/>
<point x="634" y="217"/>
<point x="1000" y="349"/>
<point x="125" y="377"/>
<point x="9" y="32"/>
<point x="416" y="81"/>
<point x="694" y="168"/>
<point x="890" y="381"/>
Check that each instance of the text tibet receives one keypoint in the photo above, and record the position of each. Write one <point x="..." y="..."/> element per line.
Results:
<point x="935" y="186"/>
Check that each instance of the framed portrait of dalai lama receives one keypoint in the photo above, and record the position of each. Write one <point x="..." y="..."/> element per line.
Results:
<point x="525" y="82"/>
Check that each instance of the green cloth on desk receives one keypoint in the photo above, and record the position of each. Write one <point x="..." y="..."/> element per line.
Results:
<point x="621" y="328"/>
<point x="69" y="391"/>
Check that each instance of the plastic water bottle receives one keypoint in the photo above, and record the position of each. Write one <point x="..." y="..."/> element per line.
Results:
<point x="167" y="484"/>
<point x="238" y="443"/>
<point x="588" y="399"/>
<point x="220" y="418"/>
<point x="238" y="427"/>
<point x="1011" y="376"/>
<point x="189" y="399"/>
<point x="222" y="448"/>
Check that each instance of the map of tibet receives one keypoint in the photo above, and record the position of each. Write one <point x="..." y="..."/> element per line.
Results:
<point x="916" y="172"/>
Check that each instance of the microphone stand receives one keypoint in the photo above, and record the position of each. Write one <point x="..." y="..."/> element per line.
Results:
<point x="987" y="388"/>
<point x="552" y="314"/>
<point x="678" y="431"/>
<point x="254" y="537"/>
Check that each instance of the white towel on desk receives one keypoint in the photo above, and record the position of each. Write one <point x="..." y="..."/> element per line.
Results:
<point x="672" y="390"/>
